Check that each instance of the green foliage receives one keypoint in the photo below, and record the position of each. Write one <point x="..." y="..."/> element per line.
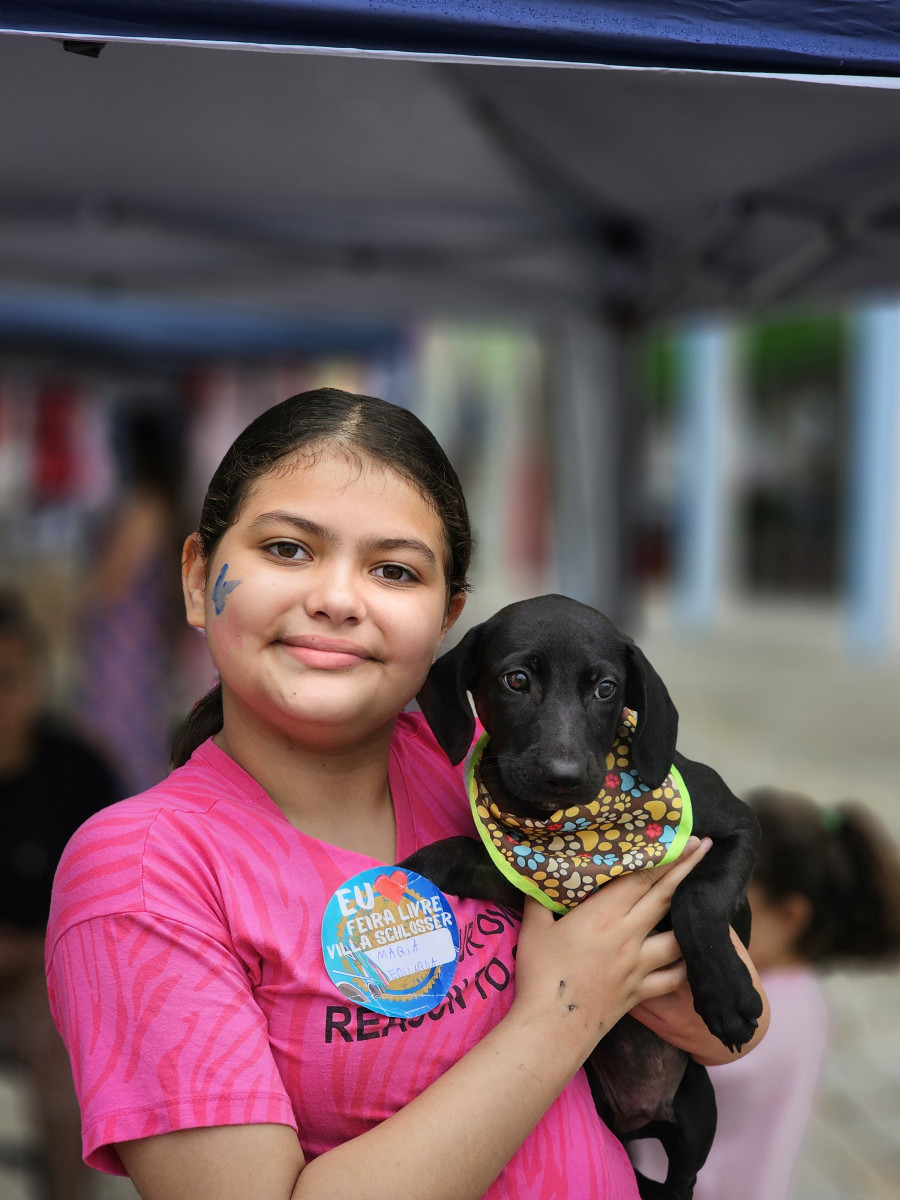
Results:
<point x="778" y="351"/>
<point x="782" y="350"/>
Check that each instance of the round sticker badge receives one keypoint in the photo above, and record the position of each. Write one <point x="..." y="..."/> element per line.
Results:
<point x="390" y="942"/>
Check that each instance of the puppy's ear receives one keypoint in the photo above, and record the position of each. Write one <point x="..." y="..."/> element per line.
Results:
<point x="443" y="697"/>
<point x="653" y="745"/>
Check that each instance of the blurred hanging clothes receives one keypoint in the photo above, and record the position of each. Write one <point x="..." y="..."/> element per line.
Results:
<point x="55" y="467"/>
<point x="129" y="610"/>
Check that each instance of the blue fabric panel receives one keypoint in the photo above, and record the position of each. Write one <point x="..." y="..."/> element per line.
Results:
<point x="836" y="36"/>
<point x="135" y="327"/>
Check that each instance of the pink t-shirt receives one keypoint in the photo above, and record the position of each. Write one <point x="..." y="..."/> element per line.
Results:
<point x="187" y="978"/>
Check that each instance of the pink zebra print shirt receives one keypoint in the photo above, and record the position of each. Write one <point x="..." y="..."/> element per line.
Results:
<point x="186" y="976"/>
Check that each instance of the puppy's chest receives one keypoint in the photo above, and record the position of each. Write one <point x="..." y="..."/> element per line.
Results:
<point x="560" y="861"/>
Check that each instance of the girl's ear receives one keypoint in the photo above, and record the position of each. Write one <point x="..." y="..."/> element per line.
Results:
<point x="454" y="608"/>
<point x="795" y="912"/>
<point x="193" y="582"/>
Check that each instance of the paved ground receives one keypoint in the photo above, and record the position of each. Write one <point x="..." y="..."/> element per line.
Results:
<point x="772" y="696"/>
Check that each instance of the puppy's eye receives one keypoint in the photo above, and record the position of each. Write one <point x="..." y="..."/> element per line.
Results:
<point x="605" y="688"/>
<point x="516" y="681"/>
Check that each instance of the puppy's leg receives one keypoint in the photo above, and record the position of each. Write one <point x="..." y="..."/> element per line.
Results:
<point x="461" y="866"/>
<point x="649" y="1189"/>
<point x="709" y="900"/>
<point x="724" y="995"/>
<point x="686" y="1139"/>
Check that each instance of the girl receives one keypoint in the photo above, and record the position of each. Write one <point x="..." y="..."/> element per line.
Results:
<point x="213" y="1055"/>
<point x="826" y="892"/>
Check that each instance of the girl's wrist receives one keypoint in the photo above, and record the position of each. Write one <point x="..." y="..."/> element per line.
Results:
<point x="558" y="1022"/>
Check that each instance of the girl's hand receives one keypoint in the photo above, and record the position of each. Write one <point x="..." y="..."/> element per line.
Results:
<point x="580" y="974"/>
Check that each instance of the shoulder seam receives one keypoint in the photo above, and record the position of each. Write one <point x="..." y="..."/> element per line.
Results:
<point x="127" y="912"/>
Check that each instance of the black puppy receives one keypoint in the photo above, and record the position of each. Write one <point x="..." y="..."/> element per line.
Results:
<point x="550" y="678"/>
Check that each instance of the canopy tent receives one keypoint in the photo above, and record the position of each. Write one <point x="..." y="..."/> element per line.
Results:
<point x="318" y="182"/>
<point x="403" y="176"/>
<point x="737" y="35"/>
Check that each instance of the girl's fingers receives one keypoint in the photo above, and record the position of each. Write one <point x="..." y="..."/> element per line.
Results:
<point x="660" y="950"/>
<point x="647" y="894"/>
<point x="657" y="885"/>
<point x="663" y="981"/>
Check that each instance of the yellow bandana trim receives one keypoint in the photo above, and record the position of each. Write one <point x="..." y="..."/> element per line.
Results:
<point x="561" y="860"/>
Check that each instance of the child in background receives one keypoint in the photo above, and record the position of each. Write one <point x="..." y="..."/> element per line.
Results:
<point x="826" y="893"/>
<point x="50" y="782"/>
<point x="130" y="608"/>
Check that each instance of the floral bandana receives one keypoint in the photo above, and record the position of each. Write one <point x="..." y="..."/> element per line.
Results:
<point x="563" y="859"/>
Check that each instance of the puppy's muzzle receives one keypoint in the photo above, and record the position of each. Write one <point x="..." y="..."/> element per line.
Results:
<point x="561" y="777"/>
<point x="549" y="783"/>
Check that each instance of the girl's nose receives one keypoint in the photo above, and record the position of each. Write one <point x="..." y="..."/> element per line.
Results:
<point x="335" y="593"/>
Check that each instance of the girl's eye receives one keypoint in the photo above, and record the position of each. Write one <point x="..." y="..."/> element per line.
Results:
<point x="605" y="688"/>
<point x="516" y="681"/>
<point x="289" y="550"/>
<point x="395" y="573"/>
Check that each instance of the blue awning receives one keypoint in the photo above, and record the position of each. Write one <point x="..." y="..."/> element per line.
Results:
<point x="141" y="327"/>
<point x="799" y="36"/>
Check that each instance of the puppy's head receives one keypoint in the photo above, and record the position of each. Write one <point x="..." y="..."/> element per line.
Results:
<point x="549" y="678"/>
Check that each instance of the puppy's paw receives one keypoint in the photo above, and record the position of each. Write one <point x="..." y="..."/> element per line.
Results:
<point x="437" y="862"/>
<point x="461" y="866"/>
<point x="729" y="1004"/>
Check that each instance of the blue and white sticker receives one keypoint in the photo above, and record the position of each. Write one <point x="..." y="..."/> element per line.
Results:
<point x="390" y="942"/>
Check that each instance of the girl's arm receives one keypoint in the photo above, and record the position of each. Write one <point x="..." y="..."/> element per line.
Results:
<point x="574" y="979"/>
<point x="673" y="1018"/>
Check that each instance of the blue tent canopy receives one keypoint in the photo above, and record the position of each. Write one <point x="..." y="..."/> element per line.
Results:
<point x="861" y="37"/>
<point x="529" y="174"/>
<point x="363" y="186"/>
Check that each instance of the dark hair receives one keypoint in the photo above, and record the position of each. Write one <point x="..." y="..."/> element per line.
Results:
<point x="844" y="862"/>
<point x="360" y="427"/>
<point x="16" y="622"/>
<point x="148" y="443"/>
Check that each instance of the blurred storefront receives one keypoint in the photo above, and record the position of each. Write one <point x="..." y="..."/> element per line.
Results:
<point x="772" y="452"/>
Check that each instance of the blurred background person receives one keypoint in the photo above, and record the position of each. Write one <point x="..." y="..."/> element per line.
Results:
<point x="130" y="611"/>
<point x="825" y="893"/>
<point x="50" y="782"/>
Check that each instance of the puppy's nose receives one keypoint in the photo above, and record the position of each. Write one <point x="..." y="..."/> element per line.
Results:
<point x="562" y="774"/>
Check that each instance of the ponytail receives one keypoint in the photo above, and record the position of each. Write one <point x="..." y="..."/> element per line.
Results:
<point x="870" y="929"/>
<point x="843" y="860"/>
<point x="203" y="721"/>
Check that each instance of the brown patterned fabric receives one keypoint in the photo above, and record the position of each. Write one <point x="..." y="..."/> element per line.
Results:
<point x="561" y="860"/>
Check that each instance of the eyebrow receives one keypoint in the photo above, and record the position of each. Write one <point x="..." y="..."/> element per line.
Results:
<point x="302" y="524"/>
<point x="327" y="534"/>
<point x="413" y="545"/>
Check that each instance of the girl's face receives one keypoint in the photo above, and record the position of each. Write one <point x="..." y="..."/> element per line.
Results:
<point x="325" y="603"/>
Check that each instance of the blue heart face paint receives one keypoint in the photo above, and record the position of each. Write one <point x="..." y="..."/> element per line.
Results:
<point x="222" y="588"/>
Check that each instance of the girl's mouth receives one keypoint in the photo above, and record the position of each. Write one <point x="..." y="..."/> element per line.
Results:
<point x="325" y="654"/>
